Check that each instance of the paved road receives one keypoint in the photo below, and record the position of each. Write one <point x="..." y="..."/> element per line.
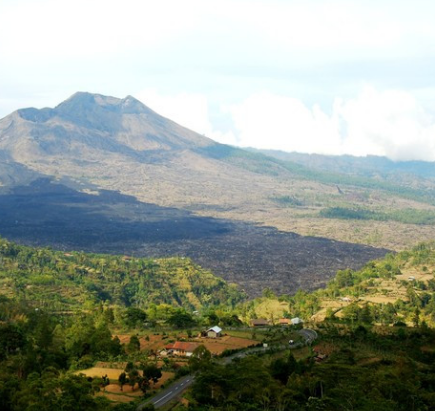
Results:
<point x="178" y="387"/>
<point x="170" y="393"/>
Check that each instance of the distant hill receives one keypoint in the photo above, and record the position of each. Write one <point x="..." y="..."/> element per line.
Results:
<point x="369" y="166"/>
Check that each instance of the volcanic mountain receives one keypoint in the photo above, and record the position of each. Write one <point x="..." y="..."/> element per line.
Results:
<point x="120" y="144"/>
<point x="110" y="175"/>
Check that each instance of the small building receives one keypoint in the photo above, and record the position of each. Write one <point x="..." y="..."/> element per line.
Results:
<point x="296" y="321"/>
<point x="259" y="322"/>
<point x="184" y="349"/>
<point x="164" y="352"/>
<point x="214" y="332"/>
<point x="284" y="321"/>
<point x="320" y="357"/>
<point x="168" y="350"/>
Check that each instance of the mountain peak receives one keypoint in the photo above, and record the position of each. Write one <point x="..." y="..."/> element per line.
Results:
<point x="88" y="122"/>
<point x="89" y="100"/>
<point x="83" y="108"/>
<point x="99" y="111"/>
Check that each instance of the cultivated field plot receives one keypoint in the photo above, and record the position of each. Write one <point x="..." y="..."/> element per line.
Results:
<point x="149" y="342"/>
<point x="113" y="391"/>
<point x="383" y="291"/>
<point x="216" y="346"/>
<point x="227" y="342"/>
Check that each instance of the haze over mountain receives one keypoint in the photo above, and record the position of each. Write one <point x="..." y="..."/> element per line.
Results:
<point x="125" y="179"/>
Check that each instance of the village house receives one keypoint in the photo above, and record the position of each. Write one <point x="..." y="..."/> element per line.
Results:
<point x="284" y="321"/>
<point x="184" y="349"/>
<point x="296" y="321"/>
<point x="322" y="352"/>
<point x="259" y="322"/>
<point x="214" y="332"/>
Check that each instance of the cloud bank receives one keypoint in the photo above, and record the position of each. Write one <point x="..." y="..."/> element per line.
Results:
<point x="387" y="123"/>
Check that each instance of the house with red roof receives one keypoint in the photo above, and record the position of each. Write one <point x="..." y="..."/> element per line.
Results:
<point x="184" y="349"/>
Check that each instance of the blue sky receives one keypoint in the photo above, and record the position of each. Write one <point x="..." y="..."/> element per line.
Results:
<point x="319" y="76"/>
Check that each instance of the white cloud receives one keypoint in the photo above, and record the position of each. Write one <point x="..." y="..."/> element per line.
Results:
<point x="387" y="123"/>
<point x="390" y="123"/>
<point x="265" y="120"/>
<point x="89" y="28"/>
<point x="188" y="110"/>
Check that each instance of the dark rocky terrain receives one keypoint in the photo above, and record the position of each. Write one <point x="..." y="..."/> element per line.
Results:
<point x="45" y="213"/>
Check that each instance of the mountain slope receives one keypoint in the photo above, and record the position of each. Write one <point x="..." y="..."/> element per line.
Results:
<point x="92" y="142"/>
<point x="90" y="138"/>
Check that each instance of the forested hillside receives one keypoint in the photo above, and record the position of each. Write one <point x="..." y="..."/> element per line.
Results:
<point x="350" y="369"/>
<point x="62" y="281"/>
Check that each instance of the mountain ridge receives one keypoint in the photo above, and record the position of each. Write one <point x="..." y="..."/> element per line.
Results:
<point x="360" y="165"/>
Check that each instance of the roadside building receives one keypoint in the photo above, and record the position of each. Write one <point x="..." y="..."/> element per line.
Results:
<point x="284" y="321"/>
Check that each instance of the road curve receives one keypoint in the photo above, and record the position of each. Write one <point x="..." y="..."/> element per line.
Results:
<point x="308" y="334"/>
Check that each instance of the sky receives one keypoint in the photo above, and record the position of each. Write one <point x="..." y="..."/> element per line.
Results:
<point x="312" y="76"/>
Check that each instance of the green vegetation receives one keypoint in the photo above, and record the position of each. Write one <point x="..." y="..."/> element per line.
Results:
<point x="370" y="355"/>
<point x="376" y="356"/>
<point x="67" y="281"/>
<point x="35" y="350"/>
<point x="61" y="312"/>
<point x="365" y="370"/>
<point x="407" y="216"/>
